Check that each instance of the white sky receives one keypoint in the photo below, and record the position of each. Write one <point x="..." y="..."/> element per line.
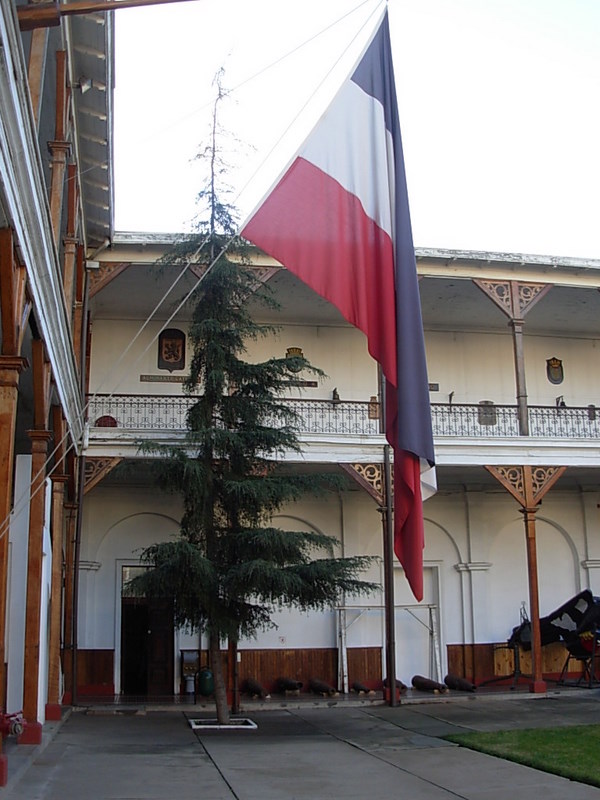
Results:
<point x="499" y="109"/>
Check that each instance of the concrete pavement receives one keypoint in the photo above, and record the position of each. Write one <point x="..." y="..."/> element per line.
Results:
<point x="368" y="752"/>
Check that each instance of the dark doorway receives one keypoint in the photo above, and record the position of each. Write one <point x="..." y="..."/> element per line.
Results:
<point x="147" y="632"/>
<point x="134" y="646"/>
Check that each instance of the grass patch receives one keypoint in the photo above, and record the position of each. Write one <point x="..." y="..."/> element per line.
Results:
<point x="571" y="752"/>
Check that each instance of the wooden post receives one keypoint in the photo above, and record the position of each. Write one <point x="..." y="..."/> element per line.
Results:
<point x="528" y="485"/>
<point x="40" y="437"/>
<point x="36" y="70"/>
<point x="71" y="527"/>
<point x="516" y="299"/>
<point x="39" y="450"/>
<point x="53" y="705"/>
<point x="59" y="485"/>
<point x="538" y="684"/>
<point x="78" y="311"/>
<point x="70" y="240"/>
<point x="60" y="147"/>
<point x="517" y="329"/>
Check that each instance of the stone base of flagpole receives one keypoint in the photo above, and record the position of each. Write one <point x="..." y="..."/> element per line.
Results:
<point x="387" y="696"/>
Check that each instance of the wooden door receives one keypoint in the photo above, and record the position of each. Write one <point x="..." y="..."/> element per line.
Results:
<point x="160" y="648"/>
<point x="134" y="646"/>
<point x="147" y="632"/>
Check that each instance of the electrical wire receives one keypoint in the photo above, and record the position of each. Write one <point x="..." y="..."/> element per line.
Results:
<point x="25" y="498"/>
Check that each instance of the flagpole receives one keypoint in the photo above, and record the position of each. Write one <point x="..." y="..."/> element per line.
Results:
<point x="388" y="561"/>
<point x="388" y="572"/>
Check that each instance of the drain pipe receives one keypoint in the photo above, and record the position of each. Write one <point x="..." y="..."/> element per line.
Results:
<point x="80" y="489"/>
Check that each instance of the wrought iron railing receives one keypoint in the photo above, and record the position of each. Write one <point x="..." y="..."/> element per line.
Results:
<point x="502" y="421"/>
<point x="168" y="413"/>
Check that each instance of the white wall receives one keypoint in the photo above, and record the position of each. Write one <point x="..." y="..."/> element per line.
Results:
<point x="474" y="555"/>
<point x="488" y="534"/>
<point x="480" y="366"/>
<point x="117" y="525"/>
<point x="117" y="365"/>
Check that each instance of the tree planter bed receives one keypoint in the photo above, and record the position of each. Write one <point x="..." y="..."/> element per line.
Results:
<point x="236" y="724"/>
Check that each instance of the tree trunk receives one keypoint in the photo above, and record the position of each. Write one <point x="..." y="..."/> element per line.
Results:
<point x="216" y="662"/>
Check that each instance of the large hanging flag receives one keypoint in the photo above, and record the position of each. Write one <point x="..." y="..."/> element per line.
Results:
<point x="339" y="219"/>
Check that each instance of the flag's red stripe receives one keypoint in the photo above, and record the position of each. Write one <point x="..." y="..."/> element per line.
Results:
<point x="409" y="534"/>
<point x="321" y="233"/>
<point x="409" y="529"/>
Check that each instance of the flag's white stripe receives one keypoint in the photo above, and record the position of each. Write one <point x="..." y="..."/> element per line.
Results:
<point x="362" y="160"/>
<point x="428" y="480"/>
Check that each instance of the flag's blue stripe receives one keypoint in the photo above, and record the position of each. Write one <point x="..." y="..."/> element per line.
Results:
<point x="375" y="75"/>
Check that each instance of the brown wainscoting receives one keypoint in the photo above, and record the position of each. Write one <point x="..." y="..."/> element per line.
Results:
<point x="483" y="662"/>
<point x="265" y="666"/>
<point x="95" y="670"/>
<point x="474" y="662"/>
<point x="364" y="666"/>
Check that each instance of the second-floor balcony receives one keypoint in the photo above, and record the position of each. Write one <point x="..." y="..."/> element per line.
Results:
<point x="140" y="414"/>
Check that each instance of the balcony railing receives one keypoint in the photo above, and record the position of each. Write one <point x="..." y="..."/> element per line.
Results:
<point x="357" y="418"/>
<point x="168" y="413"/>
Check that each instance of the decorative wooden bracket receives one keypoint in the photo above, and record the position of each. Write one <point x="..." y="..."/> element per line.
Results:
<point x="106" y="272"/>
<point x="260" y="274"/>
<point x="96" y="469"/>
<point x="513" y="298"/>
<point x="527" y="484"/>
<point x="369" y="477"/>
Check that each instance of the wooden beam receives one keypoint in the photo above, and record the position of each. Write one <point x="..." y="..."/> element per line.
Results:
<point x="48" y="15"/>
<point x="13" y="300"/>
<point x="42" y="384"/>
<point x="36" y="71"/>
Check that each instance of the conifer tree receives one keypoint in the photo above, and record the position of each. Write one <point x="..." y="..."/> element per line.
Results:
<point x="230" y="566"/>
